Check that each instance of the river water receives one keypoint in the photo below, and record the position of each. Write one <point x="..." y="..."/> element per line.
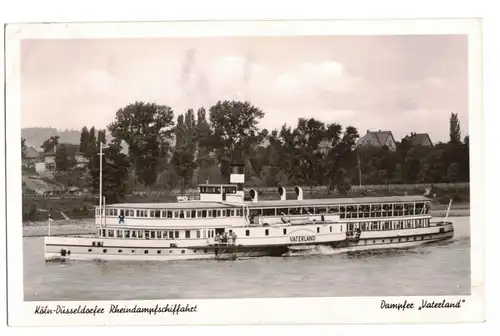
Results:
<point x="439" y="269"/>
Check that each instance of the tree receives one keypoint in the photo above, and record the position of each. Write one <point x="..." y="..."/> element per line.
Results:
<point x="84" y="140"/>
<point x="101" y="137"/>
<point x="184" y="157"/>
<point x="63" y="160"/>
<point x="233" y="131"/>
<point x="49" y="144"/>
<point x="455" y="136"/>
<point x="115" y="171"/>
<point x="147" y="129"/>
<point x="91" y="148"/>
<point x="23" y="148"/>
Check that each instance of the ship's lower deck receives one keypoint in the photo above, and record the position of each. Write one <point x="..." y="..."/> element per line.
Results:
<point x="86" y="248"/>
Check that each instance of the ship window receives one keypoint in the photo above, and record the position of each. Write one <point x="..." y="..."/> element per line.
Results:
<point x="181" y="214"/>
<point x="133" y="251"/>
<point x="159" y="251"/>
<point x="164" y="214"/>
<point x="111" y="233"/>
<point x="171" y="234"/>
<point x="176" y="234"/>
<point x="119" y="251"/>
<point x="146" y="251"/>
<point x="169" y="214"/>
<point x="134" y="234"/>
<point x="165" y="234"/>
<point x="198" y="234"/>
<point x="383" y="241"/>
<point x="374" y="242"/>
<point x="176" y="214"/>
<point x="151" y="213"/>
<point x="146" y="234"/>
<point x="269" y="212"/>
<point x="188" y="234"/>
<point x="228" y="213"/>
<point x="203" y="214"/>
<point x="330" y="228"/>
<point x="188" y="214"/>
<point x="183" y="251"/>
<point x="119" y="233"/>
<point x="238" y="212"/>
<point x="93" y="243"/>
<point x="139" y="234"/>
<point x="157" y="213"/>
<point x="104" y="233"/>
<point x="317" y="229"/>
<point x="247" y="233"/>
<point x="341" y="228"/>
<point x="284" y="231"/>
<point x="205" y="251"/>
<point x="267" y="232"/>
<point x="282" y="211"/>
<point x="104" y="250"/>
<point x="90" y="250"/>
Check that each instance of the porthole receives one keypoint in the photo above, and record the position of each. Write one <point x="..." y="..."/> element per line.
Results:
<point x="383" y="241"/>
<point x="90" y="250"/>
<point x="119" y="251"/>
<point x="170" y="251"/>
<point x="374" y="242"/>
<point x="183" y="251"/>
<point x="104" y="250"/>
<point x="159" y="251"/>
<point x="146" y="251"/>
<point x="194" y="251"/>
<point x="132" y="251"/>
<point x="317" y="230"/>
<point x="205" y="251"/>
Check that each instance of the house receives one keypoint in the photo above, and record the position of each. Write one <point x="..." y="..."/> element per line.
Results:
<point x="31" y="157"/>
<point x="50" y="160"/>
<point x="40" y="167"/>
<point x="80" y="160"/>
<point x="420" y="139"/>
<point x="378" y="139"/>
<point x="73" y="150"/>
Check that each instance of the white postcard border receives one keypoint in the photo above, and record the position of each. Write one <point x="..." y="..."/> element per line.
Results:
<point x="245" y="311"/>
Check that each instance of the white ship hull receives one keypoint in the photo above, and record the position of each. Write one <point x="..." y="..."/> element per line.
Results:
<point x="84" y="248"/>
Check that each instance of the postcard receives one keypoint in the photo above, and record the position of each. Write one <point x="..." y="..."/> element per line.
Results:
<point x="252" y="172"/>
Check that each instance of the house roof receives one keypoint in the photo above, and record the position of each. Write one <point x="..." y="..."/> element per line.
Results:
<point x="420" y="139"/>
<point x="378" y="138"/>
<point x="32" y="153"/>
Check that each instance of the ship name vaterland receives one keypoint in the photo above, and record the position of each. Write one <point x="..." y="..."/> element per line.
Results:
<point x="220" y="223"/>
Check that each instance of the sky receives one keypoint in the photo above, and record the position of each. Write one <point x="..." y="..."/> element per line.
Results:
<point x="402" y="84"/>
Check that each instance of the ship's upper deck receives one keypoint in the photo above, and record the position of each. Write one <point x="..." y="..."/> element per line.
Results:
<point x="274" y="203"/>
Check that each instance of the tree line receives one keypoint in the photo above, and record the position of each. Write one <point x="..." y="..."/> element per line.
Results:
<point x="198" y="146"/>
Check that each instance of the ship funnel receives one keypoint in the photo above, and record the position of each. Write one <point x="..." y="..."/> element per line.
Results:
<point x="299" y="193"/>
<point x="254" y="195"/>
<point x="282" y="192"/>
<point x="238" y="177"/>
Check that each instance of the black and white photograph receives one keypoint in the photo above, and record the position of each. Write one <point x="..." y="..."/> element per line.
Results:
<point x="199" y="163"/>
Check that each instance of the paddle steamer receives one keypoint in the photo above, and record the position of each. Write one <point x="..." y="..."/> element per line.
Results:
<point x="220" y="223"/>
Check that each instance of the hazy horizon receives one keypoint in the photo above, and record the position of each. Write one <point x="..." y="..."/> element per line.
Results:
<point x="402" y="84"/>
